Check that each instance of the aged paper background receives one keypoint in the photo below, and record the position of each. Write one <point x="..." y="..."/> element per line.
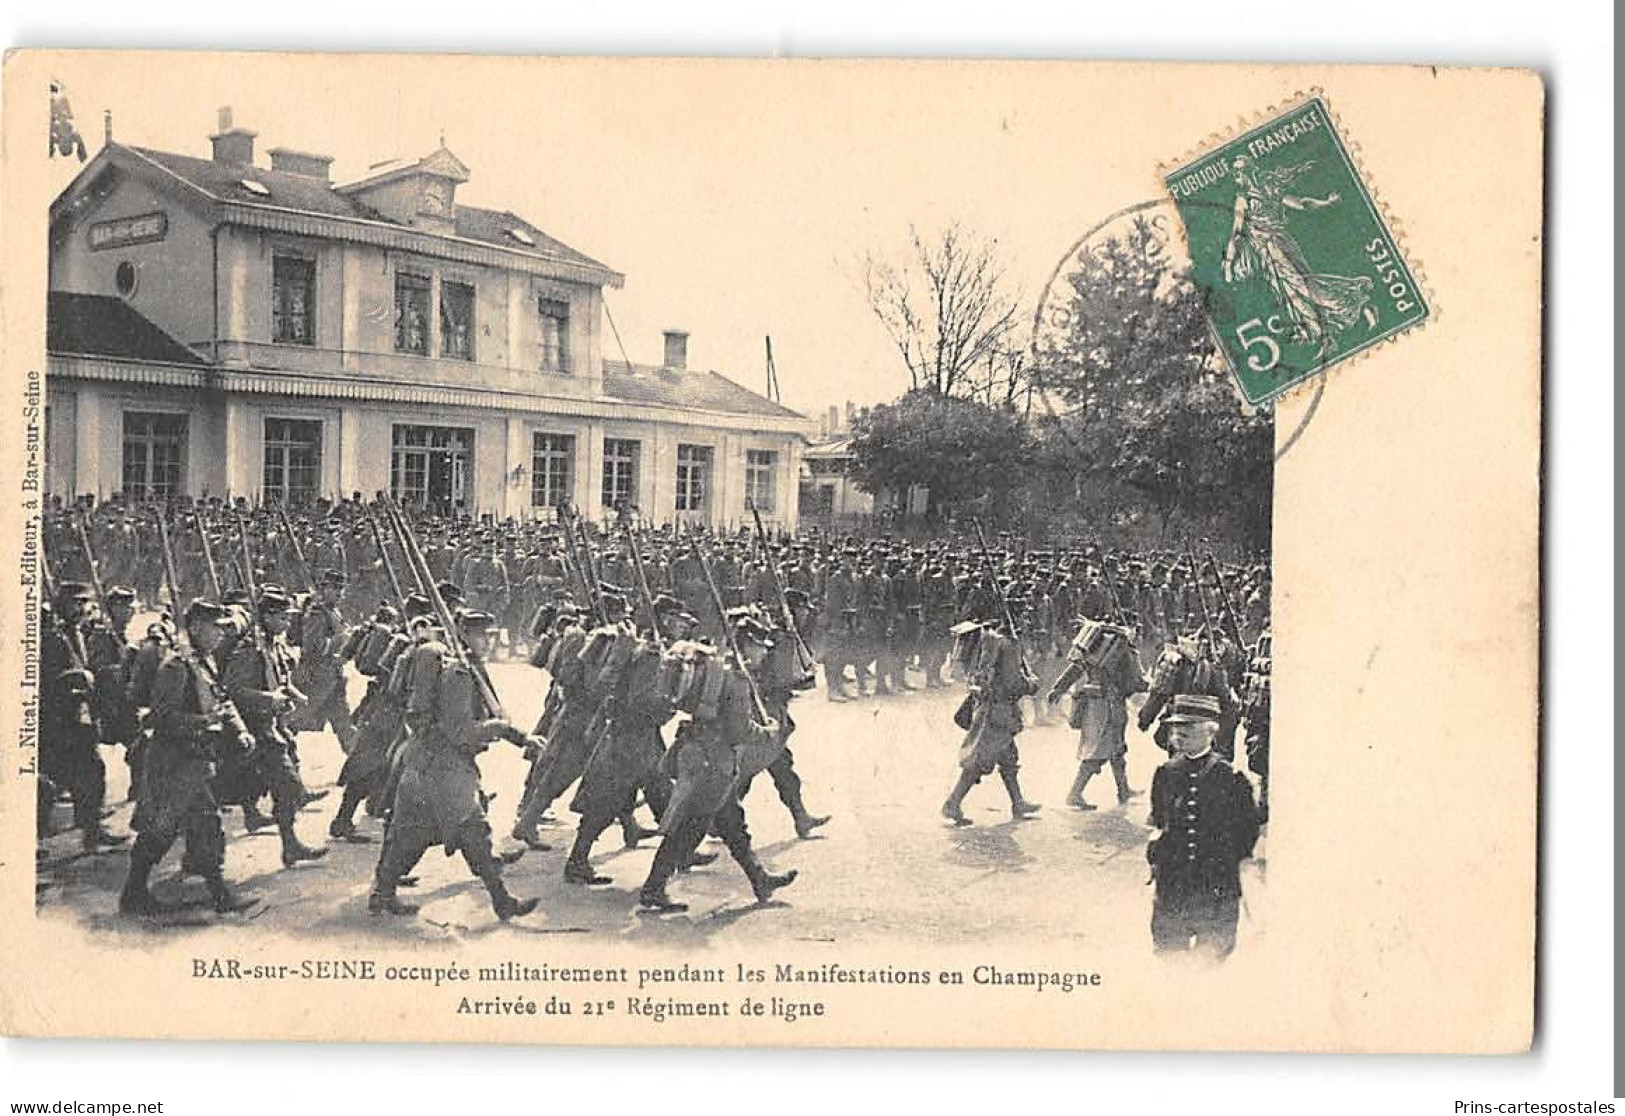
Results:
<point x="1400" y="902"/>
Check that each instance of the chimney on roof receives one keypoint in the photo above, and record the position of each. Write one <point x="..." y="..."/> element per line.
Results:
<point x="676" y="349"/>
<point x="833" y="422"/>
<point x="851" y="412"/>
<point x="302" y="163"/>
<point x="233" y="146"/>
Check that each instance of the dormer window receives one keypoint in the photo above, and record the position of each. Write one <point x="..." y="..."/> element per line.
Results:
<point x="254" y="187"/>
<point x="523" y="237"/>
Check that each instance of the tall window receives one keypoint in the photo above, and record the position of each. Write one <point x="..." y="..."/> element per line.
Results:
<point x="411" y="314"/>
<point x="550" y="469"/>
<point x="154" y="454"/>
<point x="457" y="321"/>
<point x="293" y="460"/>
<point x="554" y="319"/>
<point x="620" y="472"/>
<point x="293" y="300"/>
<point x="432" y="466"/>
<point x="760" y="490"/>
<point x="693" y="477"/>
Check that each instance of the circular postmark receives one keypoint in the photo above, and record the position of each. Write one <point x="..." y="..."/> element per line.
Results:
<point x="1132" y="270"/>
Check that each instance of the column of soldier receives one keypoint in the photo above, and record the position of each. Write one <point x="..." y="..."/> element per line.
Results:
<point x="635" y="627"/>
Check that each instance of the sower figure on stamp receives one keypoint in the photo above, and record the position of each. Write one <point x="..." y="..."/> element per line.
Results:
<point x="438" y="800"/>
<point x="194" y="725"/>
<point x="258" y="680"/>
<point x="991" y="715"/>
<point x="723" y="744"/>
<point x="1208" y="825"/>
<point x="1105" y="666"/>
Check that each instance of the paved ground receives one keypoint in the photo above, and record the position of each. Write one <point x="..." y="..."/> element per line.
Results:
<point x="886" y="867"/>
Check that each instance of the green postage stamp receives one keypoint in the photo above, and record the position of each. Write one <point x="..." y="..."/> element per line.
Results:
<point x="1292" y="257"/>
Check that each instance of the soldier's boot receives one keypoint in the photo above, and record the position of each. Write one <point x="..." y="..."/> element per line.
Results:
<point x="1120" y="773"/>
<point x="1020" y="808"/>
<point x="632" y="831"/>
<point x="343" y="824"/>
<point x="764" y="883"/>
<point x="96" y="839"/>
<point x="224" y="899"/>
<point x="254" y="820"/>
<point x="577" y="868"/>
<point x="87" y="815"/>
<point x="805" y="822"/>
<point x="951" y="809"/>
<point x="503" y="903"/>
<point x="294" y="850"/>
<point x="393" y="864"/>
<point x="1074" y="797"/>
<point x="674" y="851"/>
<point x="136" y="899"/>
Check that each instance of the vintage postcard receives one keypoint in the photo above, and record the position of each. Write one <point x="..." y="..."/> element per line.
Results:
<point x="637" y="551"/>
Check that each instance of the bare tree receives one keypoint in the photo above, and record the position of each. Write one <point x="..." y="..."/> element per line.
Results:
<point x="948" y="312"/>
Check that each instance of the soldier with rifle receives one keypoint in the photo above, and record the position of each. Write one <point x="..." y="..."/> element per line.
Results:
<point x="438" y="799"/>
<point x="194" y="725"/>
<point x="70" y="735"/>
<point x="258" y="680"/>
<point x="991" y="715"/>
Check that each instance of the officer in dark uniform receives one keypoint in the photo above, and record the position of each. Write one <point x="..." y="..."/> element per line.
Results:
<point x="1208" y="825"/>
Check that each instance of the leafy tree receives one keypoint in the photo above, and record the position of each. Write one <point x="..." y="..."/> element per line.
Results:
<point x="1140" y="394"/>
<point x="972" y="457"/>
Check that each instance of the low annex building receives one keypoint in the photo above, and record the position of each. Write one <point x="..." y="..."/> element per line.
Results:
<point x="218" y="327"/>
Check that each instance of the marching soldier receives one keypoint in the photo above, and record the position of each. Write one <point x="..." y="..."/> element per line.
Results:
<point x="438" y="799"/>
<point x="784" y="674"/>
<point x="713" y="750"/>
<point x="1208" y="825"/>
<point x="1105" y="665"/>
<point x="258" y="681"/>
<point x="70" y="737"/>
<point x="194" y="725"/>
<point x="840" y="609"/>
<point x="322" y="634"/>
<point x="111" y="660"/>
<point x="999" y="679"/>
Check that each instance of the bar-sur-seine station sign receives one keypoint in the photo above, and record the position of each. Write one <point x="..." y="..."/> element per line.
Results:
<point x="124" y="231"/>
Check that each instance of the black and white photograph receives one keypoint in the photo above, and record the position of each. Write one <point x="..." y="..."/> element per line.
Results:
<point x="728" y="552"/>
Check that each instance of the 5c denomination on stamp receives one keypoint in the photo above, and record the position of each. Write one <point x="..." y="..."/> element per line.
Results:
<point x="1296" y="265"/>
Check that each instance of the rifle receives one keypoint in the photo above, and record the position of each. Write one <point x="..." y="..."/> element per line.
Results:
<point x="584" y="568"/>
<point x="1230" y="618"/>
<point x="208" y="557"/>
<point x="643" y="587"/>
<point x="249" y="586"/>
<point x="90" y="558"/>
<point x="1201" y="601"/>
<point x="389" y="566"/>
<point x="1111" y="591"/>
<point x="728" y="633"/>
<point x="1004" y="605"/>
<point x="454" y="637"/>
<point x="804" y="656"/>
<point x="170" y="580"/>
<point x="298" y="549"/>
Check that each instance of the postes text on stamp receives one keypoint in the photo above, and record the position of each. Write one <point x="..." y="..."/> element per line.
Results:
<point x="1296" y="266"/>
